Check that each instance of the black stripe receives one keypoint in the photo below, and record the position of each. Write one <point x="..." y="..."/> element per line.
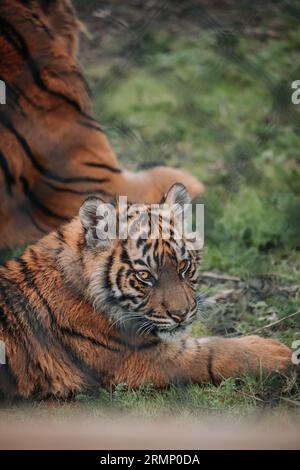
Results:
<point x="140" y="261"/>
<point x="6" y="122"/>
<point x="108" y="267"/>
<point x="119" y="278"/>
<point x="3" y="318"/>
<point x="140" y="241"/>
<point x="83" y="192"/>
<point x="146" y="248"/>
<point x="62" y="241"/>
<point x="104" y="166"/>
<point x="75" y="179"/>
<point x="125" y="258"/>
<point x="60" y="235"/>
<point x="156" y="253"/>
<point x="95" y="127"/>
<point x="33" y="255"/>
<point x="134" y="284"/>
<point x="9" y="178"/>
<point x="37" y="203"/>
<point x="135" y="346"/>
<point x="95" y="342"/>
<point x="210" y="368"/>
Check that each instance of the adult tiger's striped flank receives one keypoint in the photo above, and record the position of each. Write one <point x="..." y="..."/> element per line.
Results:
<point x="80" y="310"/>
<point x="53" y="153"/>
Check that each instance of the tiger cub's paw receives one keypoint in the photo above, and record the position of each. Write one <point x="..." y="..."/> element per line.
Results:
<point x="268" y="353"/>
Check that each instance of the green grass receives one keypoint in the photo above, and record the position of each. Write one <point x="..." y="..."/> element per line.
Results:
<point x="219" y="106"/>
<point x="232" y="397"/>
<point x="275" y="394"/>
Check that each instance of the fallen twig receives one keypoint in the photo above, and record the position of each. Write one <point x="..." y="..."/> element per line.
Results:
<point x="290" y="401"/>
<point x="257" y="330"/>
<point x="221" y="295"/>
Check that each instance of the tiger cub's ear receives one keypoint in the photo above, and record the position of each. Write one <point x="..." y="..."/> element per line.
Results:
<point x="176" y="195"/>
<point x="98" y="219"/>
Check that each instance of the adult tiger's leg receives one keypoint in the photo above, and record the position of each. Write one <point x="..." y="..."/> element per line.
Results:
<point x="53" y="153"/>
<point x="206" y="360"/>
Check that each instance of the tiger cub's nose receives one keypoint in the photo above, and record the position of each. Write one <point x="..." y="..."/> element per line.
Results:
<point x="178" y="315"/>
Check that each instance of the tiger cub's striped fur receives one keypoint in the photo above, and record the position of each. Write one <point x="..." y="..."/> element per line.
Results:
<point x="80" y="310"/>
<point x="53" y="153"/>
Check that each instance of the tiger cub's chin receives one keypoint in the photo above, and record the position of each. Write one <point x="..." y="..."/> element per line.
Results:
<point x="173" y="335"/>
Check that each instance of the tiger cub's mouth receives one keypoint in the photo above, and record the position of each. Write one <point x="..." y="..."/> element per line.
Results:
<point x="173" y="331"/>
<point x="142" y="325"/>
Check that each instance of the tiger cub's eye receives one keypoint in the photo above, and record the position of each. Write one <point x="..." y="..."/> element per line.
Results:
<point x="145" y="277"/>
<point x="184" y="266"/>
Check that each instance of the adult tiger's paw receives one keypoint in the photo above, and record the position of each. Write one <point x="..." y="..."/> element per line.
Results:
<point x="149" y="186"/>
<point x="164" y="177"/>
<point x="267" y="353"/>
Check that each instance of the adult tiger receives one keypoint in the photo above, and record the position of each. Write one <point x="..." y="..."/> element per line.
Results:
<point x="81" y="309"/>
<point x="52" y="151"/>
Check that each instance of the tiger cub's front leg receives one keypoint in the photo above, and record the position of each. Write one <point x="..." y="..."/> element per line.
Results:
<point x="236" y="356"/>
<point x="202" y="360"/>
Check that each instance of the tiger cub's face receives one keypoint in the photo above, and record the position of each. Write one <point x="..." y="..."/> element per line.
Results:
<point x="145" y="283"/>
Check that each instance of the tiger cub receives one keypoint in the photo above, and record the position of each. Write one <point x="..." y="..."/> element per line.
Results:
<point x="81" y="309"/>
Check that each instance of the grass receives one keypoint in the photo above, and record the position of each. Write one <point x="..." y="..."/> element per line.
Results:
<point x="275" y="394"/>
<point x="215" y="100"/>
<point x="235" y="398"/>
